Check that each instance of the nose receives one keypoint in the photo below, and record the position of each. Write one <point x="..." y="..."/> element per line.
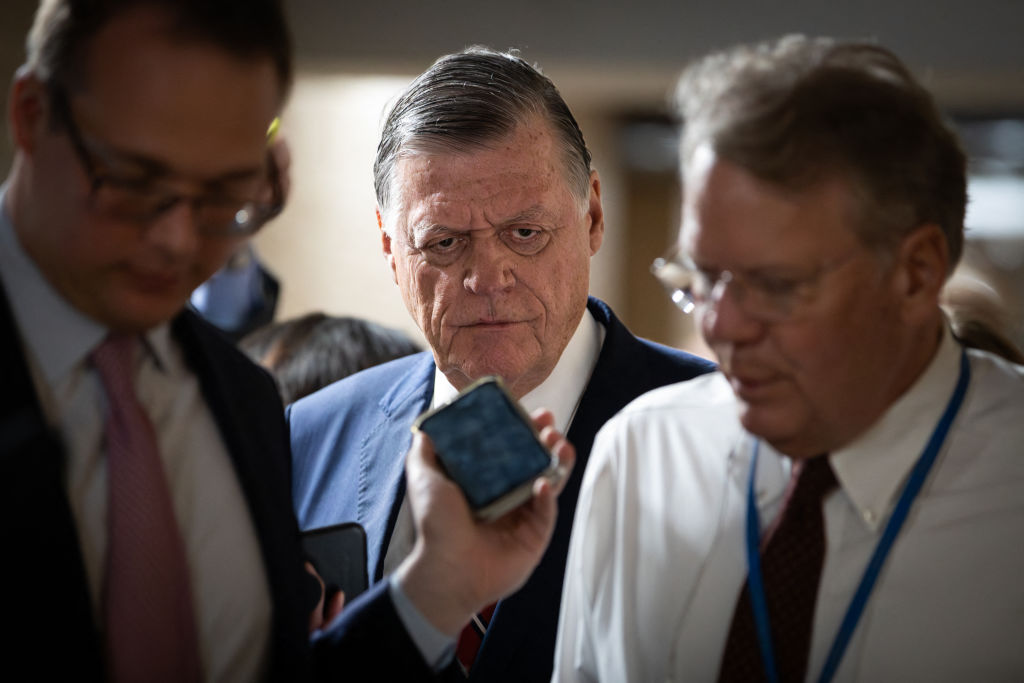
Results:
<point x="491" y="268"/>
<point x="723" y="318"/>
<point x="175" y="232"/>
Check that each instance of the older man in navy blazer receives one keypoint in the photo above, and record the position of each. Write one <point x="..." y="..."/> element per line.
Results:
<point x="489" y="213"/>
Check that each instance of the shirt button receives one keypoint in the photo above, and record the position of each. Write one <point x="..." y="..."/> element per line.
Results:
<point x="869" y="516"/>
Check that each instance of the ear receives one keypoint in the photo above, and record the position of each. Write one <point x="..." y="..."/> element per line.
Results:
<point x="922" y="266"/>
<point x="386" y="247"/>
<point x="596" y="214"/>
<point x="28" y="110"/>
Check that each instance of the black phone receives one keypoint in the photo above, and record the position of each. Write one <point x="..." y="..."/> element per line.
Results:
<point x="487" y="444"/>
<point x="338" y="554"/>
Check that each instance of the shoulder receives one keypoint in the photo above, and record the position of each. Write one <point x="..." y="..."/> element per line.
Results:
<point x="992" y="412"/>
<point x="211" y="355"/>
<point x="370" y="391"/>
<point x="376" y="382"/>
<point x="679" y="435"/>
<point x="996" y="381"/>
<point x="687" y="363"/>
<point x="702" y="407"/>
<point x="641" y="357"/>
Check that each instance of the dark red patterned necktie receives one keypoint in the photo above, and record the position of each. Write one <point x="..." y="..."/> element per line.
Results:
<point x="472" y="636"/>
<point x="792" y="555"/>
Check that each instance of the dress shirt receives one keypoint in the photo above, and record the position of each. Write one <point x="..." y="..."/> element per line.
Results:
<point x="560" y="393"/>
<point x="658" y="549"/>
<point x="229" y="587"/>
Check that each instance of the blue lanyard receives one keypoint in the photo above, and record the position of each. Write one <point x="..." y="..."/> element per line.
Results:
<point x="860" y="598"/>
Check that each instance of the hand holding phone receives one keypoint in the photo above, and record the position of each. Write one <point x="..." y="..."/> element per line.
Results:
<point x="489" y="447"/>
<point x="459" y="565"/>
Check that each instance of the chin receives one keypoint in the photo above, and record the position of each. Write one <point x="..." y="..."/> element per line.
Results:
<point x="139" y="317"/>
<point x="766" y="423"/>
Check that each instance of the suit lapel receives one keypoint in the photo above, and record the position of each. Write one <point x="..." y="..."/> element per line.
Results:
<point x="44" y="572"/>
<point x="382" y="460"/>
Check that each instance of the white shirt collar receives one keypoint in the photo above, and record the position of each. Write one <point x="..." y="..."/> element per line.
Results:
<point x="55" y="333"/>
<point x="873" y="467"/>
<point x="560" y="392"/>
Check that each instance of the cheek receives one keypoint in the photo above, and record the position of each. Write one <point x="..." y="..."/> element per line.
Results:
<point x="560" y="281"/>
<point x="840" y="357"/>
<point x="213" y="255"/>
<point x="425" y="291"/>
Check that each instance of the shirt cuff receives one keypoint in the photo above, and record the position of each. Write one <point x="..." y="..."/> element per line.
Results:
<point x="437" y="648"/>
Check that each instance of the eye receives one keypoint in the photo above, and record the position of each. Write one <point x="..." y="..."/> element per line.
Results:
<point x="443" y="250"/>
<point x="526" y="240"/>
<point x="442" y="245"/>
<point x="137" y="185"/>
<point x="776" y="286"/>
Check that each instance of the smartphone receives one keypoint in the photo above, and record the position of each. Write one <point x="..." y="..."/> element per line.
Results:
<point x="487" y="444"/>
<point x="338" y="554"/>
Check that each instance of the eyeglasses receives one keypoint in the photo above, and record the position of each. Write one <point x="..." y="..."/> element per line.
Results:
<point x="770" y="295"/>
<point x="144" y="199"/>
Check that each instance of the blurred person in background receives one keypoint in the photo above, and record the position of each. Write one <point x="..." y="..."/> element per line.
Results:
<point x="978" y="316"/>
<point x="845" y="498"/>
<point x="307" y="353"/>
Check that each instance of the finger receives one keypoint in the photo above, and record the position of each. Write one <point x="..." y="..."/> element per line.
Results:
<point x="316" y="618"/>
<point x="334" y="607"/>
<point x="566" y="455"/>
<point x="542" y="509"/>
<point x="420" y="456"/>
<point x="424" y="477"/>
<point x="542" y="418"/>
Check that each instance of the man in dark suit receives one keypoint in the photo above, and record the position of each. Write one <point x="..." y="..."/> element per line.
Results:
<point x="489" y="213"/>
<point x="144" y="462"/>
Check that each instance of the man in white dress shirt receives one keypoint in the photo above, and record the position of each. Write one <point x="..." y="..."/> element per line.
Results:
<point x="823" y="211"/>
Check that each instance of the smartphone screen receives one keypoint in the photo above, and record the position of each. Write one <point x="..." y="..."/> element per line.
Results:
<point x="488" y="446"/>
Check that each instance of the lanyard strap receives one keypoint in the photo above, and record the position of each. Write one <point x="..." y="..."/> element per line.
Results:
<point x="860" y="598"/>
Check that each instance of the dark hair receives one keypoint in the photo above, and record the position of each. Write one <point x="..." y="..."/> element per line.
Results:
<point x="308" y="353"/>
<point x="469" y="100"/>
<point x="63" y="29"/>
<point x="797" y="110"/>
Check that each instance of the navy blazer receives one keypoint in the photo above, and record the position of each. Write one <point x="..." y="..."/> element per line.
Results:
<point x="52" y="634"/>
<point x="349" y="443"/>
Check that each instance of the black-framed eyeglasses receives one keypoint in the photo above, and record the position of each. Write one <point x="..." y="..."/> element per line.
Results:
<point x="771" y="295"/>
<point x="143" y="200"/>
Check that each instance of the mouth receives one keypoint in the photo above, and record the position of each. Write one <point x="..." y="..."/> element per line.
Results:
<point x="752" y="387"/>
<point x="491" y="324"/>
<point x="155" y="282"/>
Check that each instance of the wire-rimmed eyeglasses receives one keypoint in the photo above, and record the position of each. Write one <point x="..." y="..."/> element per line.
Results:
<point x="770" y="294"/>
<point x="144" y="199"/>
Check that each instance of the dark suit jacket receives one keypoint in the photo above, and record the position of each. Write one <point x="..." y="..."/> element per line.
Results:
<point x="51" y="624"/>
<point x="349" y="443"/>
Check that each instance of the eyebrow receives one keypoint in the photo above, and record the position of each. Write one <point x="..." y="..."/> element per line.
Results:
<point x="535" y="213"/>
<point x="111" y="154"/>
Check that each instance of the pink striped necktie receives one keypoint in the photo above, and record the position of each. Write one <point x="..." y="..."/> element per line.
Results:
<point x="150" y="630"/>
